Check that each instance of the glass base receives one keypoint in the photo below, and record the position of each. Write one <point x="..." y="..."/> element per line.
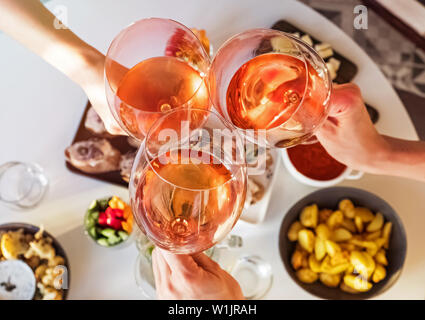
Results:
<point x="144" y="276"/>
<point x="253" y="274"/>
<point x="22" y="185"/>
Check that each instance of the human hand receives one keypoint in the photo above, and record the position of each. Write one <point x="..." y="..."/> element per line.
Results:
<point x="94" y="86"/>
<point x="348" y="134"/>
<point x="186" y="277"/>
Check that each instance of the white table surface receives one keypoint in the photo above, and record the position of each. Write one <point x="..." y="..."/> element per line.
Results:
<point x="41" y="109"/>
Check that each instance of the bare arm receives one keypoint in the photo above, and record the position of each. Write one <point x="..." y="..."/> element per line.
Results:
<point x="33" y="25"/>
<point x="350" y="137"/>
<point x="403" y="158"/>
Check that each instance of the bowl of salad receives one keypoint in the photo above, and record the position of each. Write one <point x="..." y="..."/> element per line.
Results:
<point x="109" y="222"/>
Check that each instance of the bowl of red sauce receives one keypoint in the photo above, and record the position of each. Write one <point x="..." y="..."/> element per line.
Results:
<point x="311" y="164"/>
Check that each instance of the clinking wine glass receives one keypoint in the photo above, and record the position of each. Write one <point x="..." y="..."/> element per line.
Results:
<point x="188" y="182"/>
<point x="154" y="66"/>
<point x="272" y="86"/>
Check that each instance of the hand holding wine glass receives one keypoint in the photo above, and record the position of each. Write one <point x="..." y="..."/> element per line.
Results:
<point x="350" y="137"/>
<point x="348" y="134"/>
<point x="186" y="277"/>
<point x="93" y="85"/>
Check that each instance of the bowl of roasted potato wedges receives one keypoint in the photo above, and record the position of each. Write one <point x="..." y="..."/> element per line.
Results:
<point x="343" y="243"/>
<point x="33" y="265"/>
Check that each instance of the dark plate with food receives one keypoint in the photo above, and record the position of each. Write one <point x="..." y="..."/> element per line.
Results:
<point x="33" y="264"/>
<point x="343" y="243"/>
<point x="97" y="154"/>
<point x="342" y="70"/>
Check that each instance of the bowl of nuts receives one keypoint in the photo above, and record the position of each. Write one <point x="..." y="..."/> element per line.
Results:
<point x="343" y="243"/>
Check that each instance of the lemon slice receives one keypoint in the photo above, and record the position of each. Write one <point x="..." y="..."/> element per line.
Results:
<point x="12" y="245"/>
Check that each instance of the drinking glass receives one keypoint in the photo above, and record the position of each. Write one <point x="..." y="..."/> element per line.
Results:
<point x="272" y="86"/>
<point x="22" y="185"/>
<point x="154" y="66"/>
<point x="188" y="182"/>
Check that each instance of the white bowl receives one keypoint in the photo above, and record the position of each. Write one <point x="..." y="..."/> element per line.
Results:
<point x="348" y="174"/>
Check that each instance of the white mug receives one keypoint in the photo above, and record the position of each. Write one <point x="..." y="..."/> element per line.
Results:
<point x="348" y="174"/>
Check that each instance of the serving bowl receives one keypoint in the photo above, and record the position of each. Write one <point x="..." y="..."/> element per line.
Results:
<point x="329" y="198"/>
<point x="109" y="227"/>
<point x="32" y="229"/>
<point x="347" y="174"/>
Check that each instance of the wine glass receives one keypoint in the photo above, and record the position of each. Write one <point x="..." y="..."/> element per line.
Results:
<point x="188" y="182"/>
<point x="153" y="66"/>
<point x="272" y="86"/>
<point x="22" y="185"/>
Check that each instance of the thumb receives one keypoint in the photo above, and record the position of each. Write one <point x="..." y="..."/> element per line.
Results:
<point x="206" y="263"/>
<point x="181" y="263"/>
<point x="345" y="98"/>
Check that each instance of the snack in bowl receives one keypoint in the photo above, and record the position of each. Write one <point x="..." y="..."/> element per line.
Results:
<point x="345" y="248"/>
<point x="24" y="251"/>
<point x="329" y="201"/>
<point x="109" y="221"/>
